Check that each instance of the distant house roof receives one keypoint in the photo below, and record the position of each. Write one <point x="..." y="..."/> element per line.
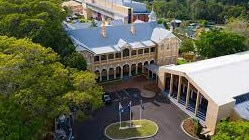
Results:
<point x="176" y="21"/>
<point x="222" y="78"/>
<point x="145" y="33"/>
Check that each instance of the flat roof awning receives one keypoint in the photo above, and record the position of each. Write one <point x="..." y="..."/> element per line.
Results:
<point x="152" y="67"/>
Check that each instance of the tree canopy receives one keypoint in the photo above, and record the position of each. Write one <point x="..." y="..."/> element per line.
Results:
<point x="41" y="21"/>
<point x="212" y="10"/>
<point x="187" y="46"/>
<point x="216" y="43"/>
<point x="35" y="88"/>
<point x="238" y="130"/>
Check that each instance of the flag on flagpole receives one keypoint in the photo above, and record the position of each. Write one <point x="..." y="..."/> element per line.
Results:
<point x="130" y="112"/>
<point x="120" y="108"/>
<point x="120" y="113"/>
<point x="142" y="105"/>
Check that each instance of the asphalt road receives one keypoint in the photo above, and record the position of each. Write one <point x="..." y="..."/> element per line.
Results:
<point x="160" y="110"/>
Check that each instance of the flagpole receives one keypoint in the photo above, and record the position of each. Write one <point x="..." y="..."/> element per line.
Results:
<point x="119" y="116"/>
<point x="130" y="113"/>
<point x="140" y="111"/>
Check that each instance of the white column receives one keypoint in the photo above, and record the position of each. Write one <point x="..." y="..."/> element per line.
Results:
<point x="197" y="103"/>
<point x="149" y="51"/>
<point x="114" y="74"/>
<point x="121" y="54"/>
<point x="179" y="88"/>
<point x="187" y="97"/>
<point x="142" y="67"/>
<point x="121" y="73"/>
<point x="107" y="74"/>
<point x="136" y="69"/>
<point x="130" y="53"/>
<point x="129" y="70"/>
<point x="100" y="76"/>
<point x="171" y="84"/>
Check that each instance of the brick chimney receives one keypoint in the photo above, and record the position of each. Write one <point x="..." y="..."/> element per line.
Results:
<point x="103" y="27"/>
<point x="133" y="30"/>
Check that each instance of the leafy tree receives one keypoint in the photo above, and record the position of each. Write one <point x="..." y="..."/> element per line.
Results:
<point x="212" y="10"/>
<point x="93" y="23"/>
<point x="226" y="130"/>
<point x="217" y="43"/>
<point x="187" y="46"/>
<point x="41" y="21"/>
<point x="76" y="60"/>
<point x="35" y="88"/>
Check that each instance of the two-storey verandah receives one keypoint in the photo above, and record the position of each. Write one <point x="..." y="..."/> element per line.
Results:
<point x="129" y="60"/>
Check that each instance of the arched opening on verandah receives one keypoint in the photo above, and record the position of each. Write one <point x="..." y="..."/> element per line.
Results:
<point x="126" y="70"/>
<point x="118" y="72"/>
<point x="152" y="62"/>
<point x="139" y="68"/>
<point x="133" y="69"/>
<point x="97" y="75"/>
<point x="111" y="73"/>
<point x="104" y="75"/>
<point x="146" y="71"/>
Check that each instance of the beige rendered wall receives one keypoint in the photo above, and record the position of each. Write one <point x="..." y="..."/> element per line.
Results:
<point x="216" y="113"/>
<point x="117" y="8"/>
<point x="161" y="79"/>
<point x="167" y="51"/>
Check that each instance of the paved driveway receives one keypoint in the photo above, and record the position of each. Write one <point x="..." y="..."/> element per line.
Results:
<point x="167" y="116"/>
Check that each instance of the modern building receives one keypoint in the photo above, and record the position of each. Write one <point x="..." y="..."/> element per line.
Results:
<point x="114" y="52"/>
<point x="209" y="90"/>
<point x="115" y="9"/>
<point x="76" y="7"/>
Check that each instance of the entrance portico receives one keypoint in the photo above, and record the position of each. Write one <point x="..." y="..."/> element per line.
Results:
<point x="186" y="96"/>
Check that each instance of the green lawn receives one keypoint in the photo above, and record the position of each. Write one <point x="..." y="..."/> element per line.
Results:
<point x="148" y="128"/>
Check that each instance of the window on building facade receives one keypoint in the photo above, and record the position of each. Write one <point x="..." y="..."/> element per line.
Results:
<point x="167" y="46"/>
<point x="134" y="52"/>
<point x="140" y="51"/>
<point x="118" y="55"/>
<point x="111" y="56"/>
<point x="103" y="57"/>
<point x="152" y="49"/>
<point x="96" y="58"/>
<point x="146" y="50"/>
<point x="126" y="52"/>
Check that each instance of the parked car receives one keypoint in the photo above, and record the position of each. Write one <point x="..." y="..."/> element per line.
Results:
<point x="106" y="98"/>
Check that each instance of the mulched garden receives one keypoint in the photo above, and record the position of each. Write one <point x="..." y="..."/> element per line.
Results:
<point x="189" y="127"/>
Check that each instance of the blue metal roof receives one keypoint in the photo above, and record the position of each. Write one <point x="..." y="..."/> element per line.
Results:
<point x="242" y="105"/>
<point x="243" y="109"/>
<point x="92" y="39"/>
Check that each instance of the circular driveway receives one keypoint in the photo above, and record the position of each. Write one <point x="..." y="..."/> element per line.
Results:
<point x="158" y="109"/>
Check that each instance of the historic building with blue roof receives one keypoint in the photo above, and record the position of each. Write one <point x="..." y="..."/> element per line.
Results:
<point x="113" y="52"/>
